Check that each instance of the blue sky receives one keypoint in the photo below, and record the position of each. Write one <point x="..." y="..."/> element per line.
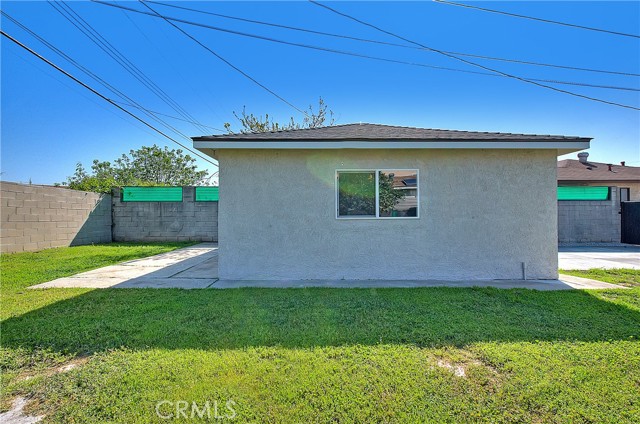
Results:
<point x="49" y="123"/>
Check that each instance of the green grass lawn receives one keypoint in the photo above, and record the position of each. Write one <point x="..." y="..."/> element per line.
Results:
<point x="21" y="270"/>
<point x="622" y="277"/>
<point x="318" y="355"/>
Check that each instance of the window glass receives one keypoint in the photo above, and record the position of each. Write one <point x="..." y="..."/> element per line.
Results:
<point x="357" y="193"/>
<point x="624" y="194"/>
<point x="398" y="193"/>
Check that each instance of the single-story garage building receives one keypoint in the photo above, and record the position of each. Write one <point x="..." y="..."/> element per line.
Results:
<point x="368" y="201"/>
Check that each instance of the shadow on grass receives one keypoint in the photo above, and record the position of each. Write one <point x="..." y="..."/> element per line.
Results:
<point x="222" y="319"/>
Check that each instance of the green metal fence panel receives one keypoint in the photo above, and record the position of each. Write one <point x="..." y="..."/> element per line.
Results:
<point x="152" y="194"/>
<point x="207" y="194"/>
<point x="583" y="193"/>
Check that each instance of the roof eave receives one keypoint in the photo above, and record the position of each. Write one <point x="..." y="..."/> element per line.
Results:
<point x="562" y="146"/>
<point x="260" y="137"/>
<point x="599" y="180"/>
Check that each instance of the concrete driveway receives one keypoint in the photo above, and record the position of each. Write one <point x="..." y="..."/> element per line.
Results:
<point x="196" y="267"/>
<point x="606" y="257"/>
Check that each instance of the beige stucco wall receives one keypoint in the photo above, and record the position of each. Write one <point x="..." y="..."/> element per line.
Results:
<point x="482" y="213"/>
<point x="634" y="190"/>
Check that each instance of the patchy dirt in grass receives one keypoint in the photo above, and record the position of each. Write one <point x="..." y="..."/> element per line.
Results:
<point x="457" y="369"/>
<point x="66" y="367"/>
<point x="465" y="364"/>
<point x="74" y="363"/>
<point x="16" y="414"/>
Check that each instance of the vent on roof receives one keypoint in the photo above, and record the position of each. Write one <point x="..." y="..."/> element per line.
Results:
<point x="582" y="157"/>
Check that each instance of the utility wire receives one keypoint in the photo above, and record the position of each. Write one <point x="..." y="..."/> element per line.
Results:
<point x="108" y="48"/>
<point x="360" y="55"/>
<point x="168" y="116"/>
<point x="155" y="86"/>
<point x="224" y="60"/>
<point x="152" y="85"/>
<point x="97" y="78"/>
<point x="103" y="97"/>
<point x="205" y="99"/>
<point x="49" y="73"/>
<point x="469" y="62"/>
<point x="549" y="21"/>
<point x="83" y="26"/>
<point x="386" y="43"/>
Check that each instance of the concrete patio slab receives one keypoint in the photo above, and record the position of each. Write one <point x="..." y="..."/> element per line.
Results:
<point x="587" y="283"/>
<point x="127" y="283"/>
<point x="206" y="269"/>
<point x="563" y="283"/>
<point x="175" y="256"/>
<point x="603" y="256"/>
<point x="167" y="283"/>
<point x="194" y="267"/>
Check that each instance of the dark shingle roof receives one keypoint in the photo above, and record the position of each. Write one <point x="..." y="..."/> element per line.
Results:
<point x="574" y="170"/>
<point x="378" y="132"/>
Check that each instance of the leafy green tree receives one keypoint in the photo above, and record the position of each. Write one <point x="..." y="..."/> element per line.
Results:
<point x="251" y="123"/>
<point x="147" y="166"/>
<point x="388" y="197"/>
<point x="357" y="193"/>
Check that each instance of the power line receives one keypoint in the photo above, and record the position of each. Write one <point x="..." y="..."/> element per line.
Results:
<point x="168" y="116"/>
<point x="386" y="43"/>
<point x="469" y="62"/>
<point x="151" y="85"/>
<point x="110" y="50"/>
<point x="92" y="74"/>
<point x="549" y="21"/>
<point x="56" y="67"/>
<point x="225" y="60"/>
<point x="46" y="71"/>
<point x="361" y="55"/>
<point x="83" y="26"/>
<point x="206" y="100"/>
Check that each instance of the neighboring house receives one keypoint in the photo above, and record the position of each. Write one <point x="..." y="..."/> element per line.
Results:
<point x="589" y="201"/>
<point x="312" y="203"/>
<point x="583" y="172"/>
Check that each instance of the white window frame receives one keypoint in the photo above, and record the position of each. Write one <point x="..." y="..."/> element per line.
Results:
<point x="377" y="176"/>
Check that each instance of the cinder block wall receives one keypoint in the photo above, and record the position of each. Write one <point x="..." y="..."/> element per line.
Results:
<point x="590" y="221"/>
<point x="165" y="221"/>
<point x="39" y="217"/>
